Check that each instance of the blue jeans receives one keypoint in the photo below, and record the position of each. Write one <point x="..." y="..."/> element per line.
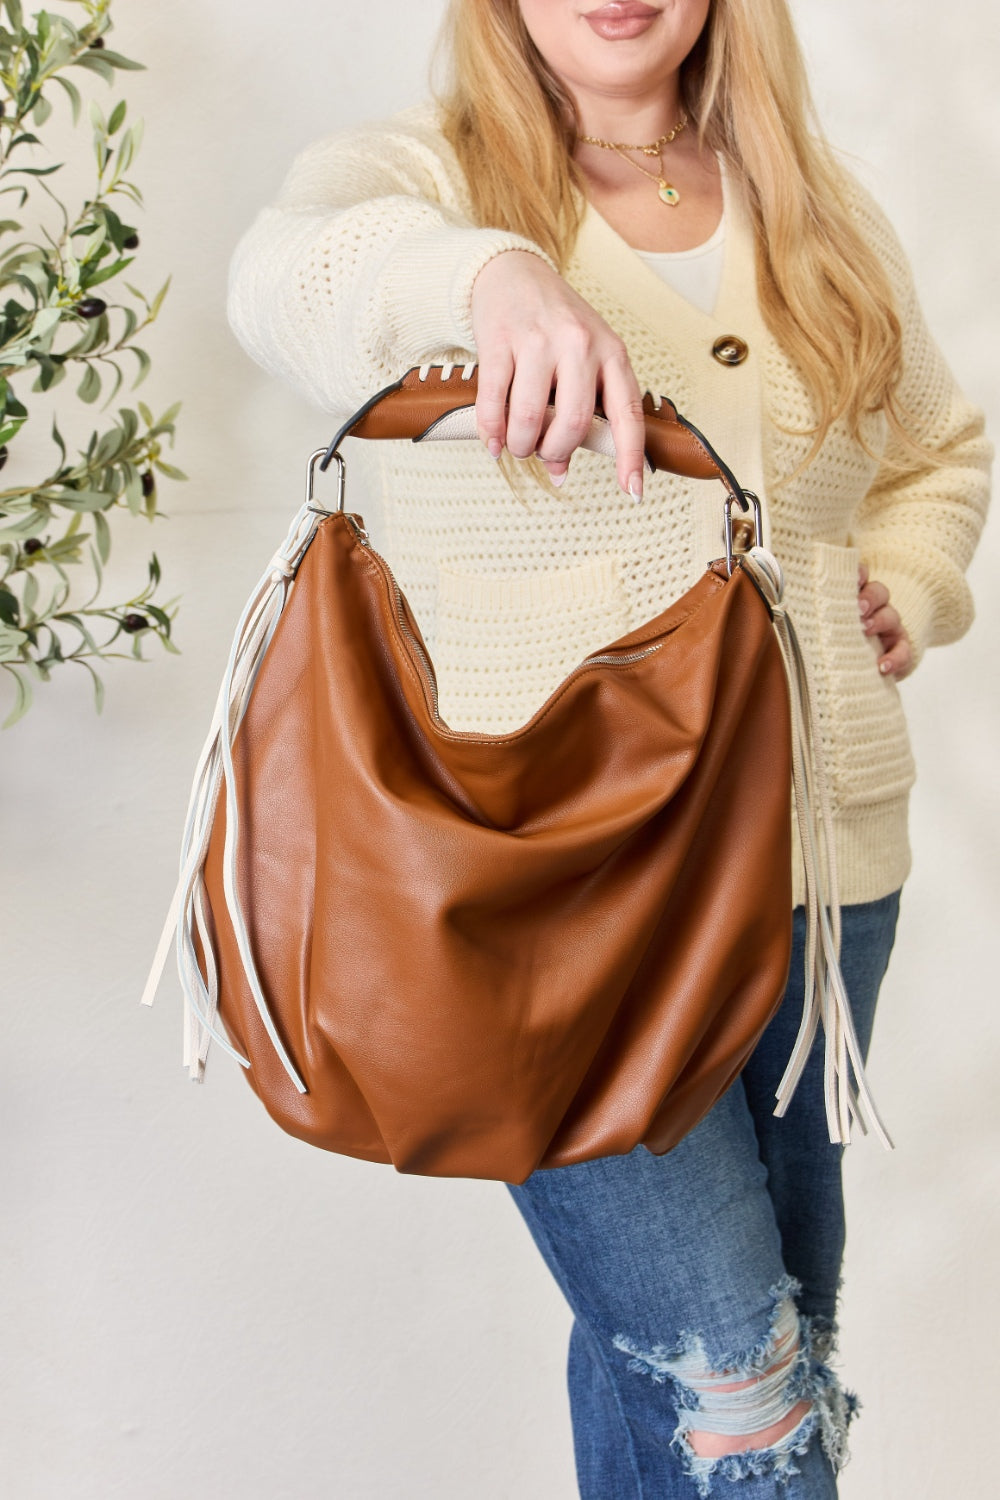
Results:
<point x="721" y="1258"/>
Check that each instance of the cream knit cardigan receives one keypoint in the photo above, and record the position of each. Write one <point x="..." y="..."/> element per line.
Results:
<point x="363" y="267"/>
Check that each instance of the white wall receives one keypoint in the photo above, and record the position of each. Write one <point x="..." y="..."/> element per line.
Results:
<point x="195" y="1305"/>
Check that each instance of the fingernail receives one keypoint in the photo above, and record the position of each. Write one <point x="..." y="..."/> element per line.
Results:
<point x="635" y="487"/>
<point x="863" y="607"/>
<point x="494" y="447"/>
<point x="885" y="667"/>
<point x="559" y="479"/>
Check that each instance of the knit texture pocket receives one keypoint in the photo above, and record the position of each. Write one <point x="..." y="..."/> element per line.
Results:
<point x="505" y="643"/>
<point x="865" y="739"/>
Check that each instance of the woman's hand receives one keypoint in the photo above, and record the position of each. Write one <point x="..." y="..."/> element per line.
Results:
<point x="533" y="333"/>
<point x="878" y="618"/>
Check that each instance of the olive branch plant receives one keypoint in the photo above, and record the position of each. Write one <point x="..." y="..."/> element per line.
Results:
<point x="54" y="324"/>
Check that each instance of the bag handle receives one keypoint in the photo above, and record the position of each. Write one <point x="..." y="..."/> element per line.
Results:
<point x="434" y="402"/>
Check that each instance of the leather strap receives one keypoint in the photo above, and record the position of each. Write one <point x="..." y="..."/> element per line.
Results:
<point x="437" y="402"/>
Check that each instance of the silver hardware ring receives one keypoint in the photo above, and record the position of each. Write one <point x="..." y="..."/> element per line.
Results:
<point x="311" y="483"/>
<point x="746" y="500"/>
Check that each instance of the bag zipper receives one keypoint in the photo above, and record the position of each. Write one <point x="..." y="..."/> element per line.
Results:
<point x="603" y="658"/>
<point x="611" y="659"/>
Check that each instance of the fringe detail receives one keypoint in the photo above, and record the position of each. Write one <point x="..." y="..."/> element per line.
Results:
<point x="187" y="915"/>
<point x="848" y="1100"/>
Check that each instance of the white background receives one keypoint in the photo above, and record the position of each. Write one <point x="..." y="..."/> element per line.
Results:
<point x="196" y="1306"/>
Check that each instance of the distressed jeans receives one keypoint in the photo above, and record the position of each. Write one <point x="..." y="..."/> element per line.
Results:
<point x="715" y="1265"/>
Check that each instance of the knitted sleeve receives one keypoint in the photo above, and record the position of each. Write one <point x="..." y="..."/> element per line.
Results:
<point x="363" y="266"/>
<point x="920" y="521"/>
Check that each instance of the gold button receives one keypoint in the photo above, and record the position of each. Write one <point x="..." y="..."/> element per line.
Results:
<point x="729" y="350"/>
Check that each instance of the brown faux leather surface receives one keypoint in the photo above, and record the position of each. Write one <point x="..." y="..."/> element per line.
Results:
<point x="492" y="953"/>
<point x="416" y="405"/>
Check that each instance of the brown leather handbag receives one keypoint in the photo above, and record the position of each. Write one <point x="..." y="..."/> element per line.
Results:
<point x="474" y="954"/>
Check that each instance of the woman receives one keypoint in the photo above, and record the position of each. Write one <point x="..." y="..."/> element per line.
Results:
<point x="608" y="200"/>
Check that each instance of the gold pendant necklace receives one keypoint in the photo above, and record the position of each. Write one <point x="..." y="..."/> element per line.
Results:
<point x="666" y="191"/>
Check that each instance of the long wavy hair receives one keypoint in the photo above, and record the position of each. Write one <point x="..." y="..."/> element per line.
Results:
<point x="823" y="292"/>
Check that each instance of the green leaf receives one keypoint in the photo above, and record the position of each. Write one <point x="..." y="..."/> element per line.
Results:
<point x="9" y="607"/>
<point x="96" y="63"/>
<point x="13" y="8"/>
<point x="102" y="535"/>
<point x="129" y="423"/>
<point x="117" y="384"/>
<point x="74" y="95"/>
<point x="38" y="171"/>
<point x="57" y="438"/>
<point x="67" y="548"/>
<point x="170" y="415"/>
<point x="117" y="117"/>
<point x="29" y="597"/>
<point x="11" y="641"/>
<point x="30" y="524"/>
<point x="159" y="615"/>
<point x="106" y="272"/>
<point x="44" y="321"/>
<point x="98" y="573"/>
<point x="83" y="499"/>
<point x="169" y="469"/>
<point x="144" y="364"/>
<point x="90" y="386"/>
<point x="98" y="686"/>
<point x="41" y="109"/>
<point x="46" y="371"/>
<point x="158" y="299"/>
<point x="85" y="635"/>
<point x="22" y="698"/>
<point x="145" y="413"/>
<point x="133" y="488"/>
<point x="109" y="446"/>
<point x="117" y="231"/>
<point x="92" y="244"/>
<point x="118" y="61"/>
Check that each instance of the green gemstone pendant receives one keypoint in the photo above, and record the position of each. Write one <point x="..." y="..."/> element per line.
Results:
<point x="668" y="194"/>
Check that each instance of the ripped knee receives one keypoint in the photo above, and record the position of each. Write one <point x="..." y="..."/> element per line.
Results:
<point x="751" y="1414"/>
<point x="753" y="1410"/>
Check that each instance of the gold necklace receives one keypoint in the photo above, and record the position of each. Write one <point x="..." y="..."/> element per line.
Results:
<point x="668" y="194"/>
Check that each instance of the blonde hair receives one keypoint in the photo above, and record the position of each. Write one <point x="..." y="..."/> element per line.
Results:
<point x="823" y="292"/>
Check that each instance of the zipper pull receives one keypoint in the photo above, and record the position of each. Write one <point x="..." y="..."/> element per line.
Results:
<point x="357" y="525"/>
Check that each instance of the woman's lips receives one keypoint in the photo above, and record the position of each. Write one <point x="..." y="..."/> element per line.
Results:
<point x="621" y="21"/>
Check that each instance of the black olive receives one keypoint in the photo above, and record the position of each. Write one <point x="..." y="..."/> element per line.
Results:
<point x="3" y="455"/>
<point x="91" y="307"/>
<point x="33" y="544"/>
<point x="132" y="243"/>
<point x="135" y="623"/>
<point x="97" y="42"/>
<point x="148" y="482"/>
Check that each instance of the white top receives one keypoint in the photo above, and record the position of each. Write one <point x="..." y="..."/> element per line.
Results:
<point x="697" y="273"/>
<point x="364" y="266"/>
